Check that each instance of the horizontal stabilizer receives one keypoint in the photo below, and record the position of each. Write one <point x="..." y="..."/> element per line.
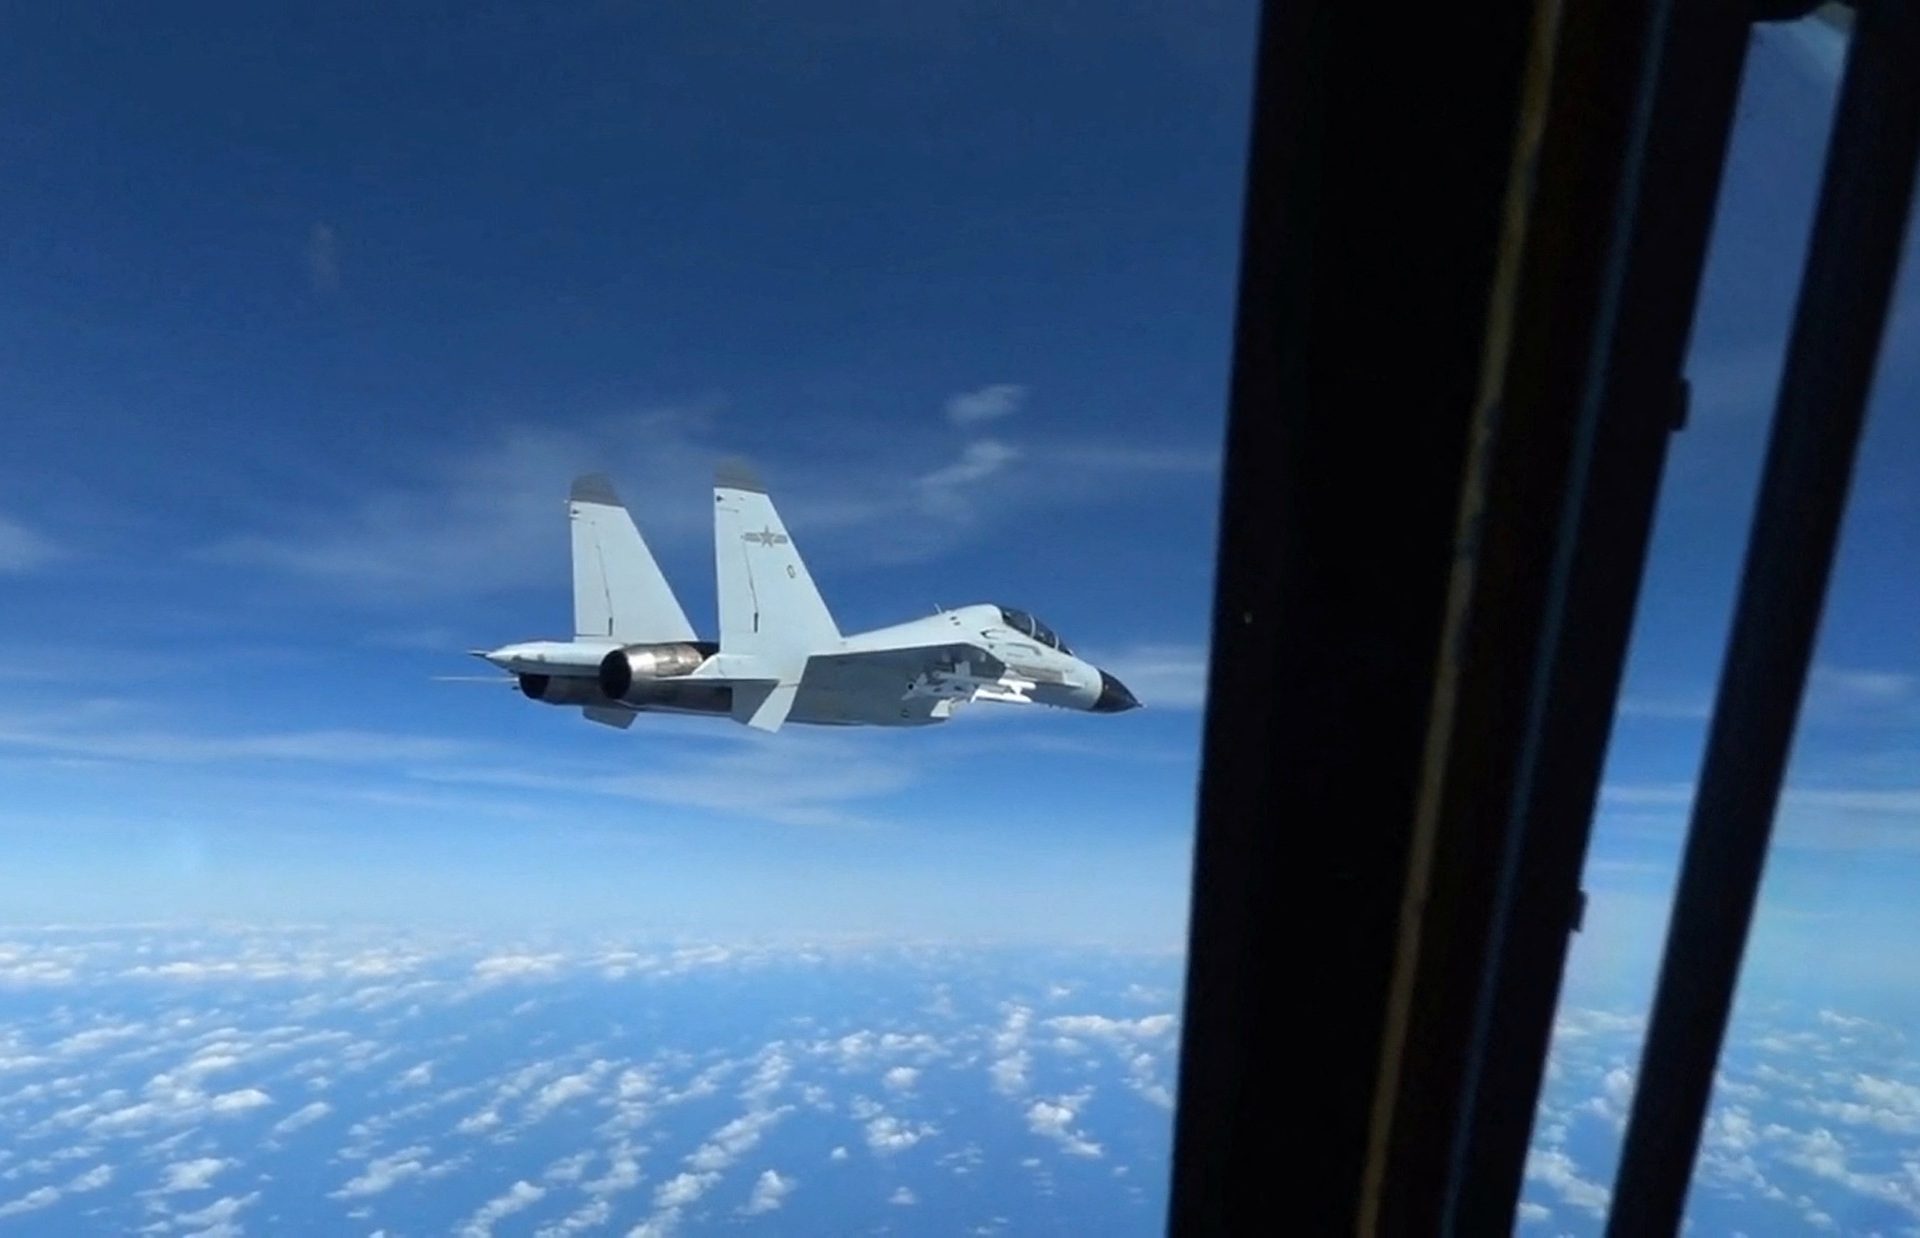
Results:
<point x="762" y="705"/>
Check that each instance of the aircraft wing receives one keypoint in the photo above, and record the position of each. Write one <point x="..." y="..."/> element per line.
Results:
<point x="906" y="664"/>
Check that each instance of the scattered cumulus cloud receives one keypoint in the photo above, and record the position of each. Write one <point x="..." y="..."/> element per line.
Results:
<point x="522" y="1194"/>
<point x="194" y="1175"/>
<point x="887" y="1134"/>
<point x="770" y="1190"/>
<point x="384" y="1173"/>
<point x="683" y="1189"/>
<point x="1053" y="1119"/>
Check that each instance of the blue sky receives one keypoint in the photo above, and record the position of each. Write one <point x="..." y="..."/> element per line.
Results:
<point x="309" y="320"/>
<point x="1836" y="913"/>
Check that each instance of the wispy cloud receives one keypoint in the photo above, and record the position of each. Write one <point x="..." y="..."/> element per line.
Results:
<point x="990" y="403"/>
<point x="947" y="491"/>
<point x="803" y="779"/>
<point x="1831" y="818"/>
<point x="22" y="549"/>
<point x="323" y="258"/>
<point x="94" y="735"/>
<point x="491" y="517"/>
<point x="1165" y="676"/>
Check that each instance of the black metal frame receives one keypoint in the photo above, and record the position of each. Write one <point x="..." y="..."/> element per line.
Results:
<point x="1371" y="237"/>
<point x="1865" y="199"/>
<point x="1447" y="430"/>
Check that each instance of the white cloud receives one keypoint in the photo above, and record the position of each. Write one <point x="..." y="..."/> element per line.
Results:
<point x="567" y="1088"/>
<point x="1884" y="1104"/>
<point x="194" y="1175"/>
<point x="504" y="966"/>
<point x="1534" y="1214"/>
<point x="47" y="1196"/>
<point x="1103" y="1028"/>
<point x="989" y="403"/>
<point x="1555" y="1169"/>
<point x="901" y="1078"/>
<point x="683" y="1189"/>
<point x="592" y="1215"/>
<point x="726" y="1145"/>
<point x="1009" y="1074"/>
<point x="517" y="1197"/>
<point x="770" y="1190"/>
<point x="887" y="1134"/>
<point x="806" y="780"/>
<point x="419" y="1076"/>
<point x="838" y="1154"/>
<point x="217" y="1217"/>
<point x="486" y="520"/>
<point x="944" y="492"/>
<point x="21" y="549"/>
<point x="1054" y="1120"/>
<point x="384" y="1173"/>
<point x="32" y="1201"/>
<point x="306" y="1115"/>
<point x="72" y="737"/>
<point x="82" y="1043"/>
<point x="239" y="1101"/>
<point x="623" y="1172"/>
<point x="904" y="1197"/>
<point x="1842" y="693"/>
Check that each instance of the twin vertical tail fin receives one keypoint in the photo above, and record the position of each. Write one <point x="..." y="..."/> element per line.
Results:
<point x="770" y="610"/>
<point x="619" y="592"/>
<point x="772" y="618"/>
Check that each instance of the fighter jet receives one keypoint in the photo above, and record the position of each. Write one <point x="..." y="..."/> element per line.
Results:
<point x="780" y="657"/>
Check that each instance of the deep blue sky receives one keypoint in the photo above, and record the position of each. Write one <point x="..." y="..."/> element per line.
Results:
<point x="308" y="319"/>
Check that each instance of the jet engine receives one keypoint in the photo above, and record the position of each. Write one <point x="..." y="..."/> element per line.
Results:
<point x="627" y="673"/>
<point x="560" y="690"/>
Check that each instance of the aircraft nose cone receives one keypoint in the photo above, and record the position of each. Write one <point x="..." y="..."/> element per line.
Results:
<point x="1114" y="697"/>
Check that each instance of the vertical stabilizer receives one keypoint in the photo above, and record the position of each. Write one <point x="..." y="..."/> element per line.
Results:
<point x="618" y="590"/>
<point x="770" y="609"/>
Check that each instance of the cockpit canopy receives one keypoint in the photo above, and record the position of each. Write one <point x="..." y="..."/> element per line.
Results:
<point x="1025" y="624"/>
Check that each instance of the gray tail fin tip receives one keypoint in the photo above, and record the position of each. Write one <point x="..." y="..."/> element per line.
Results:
<point x="734" y="473"/>
<point x="594" y="488"/>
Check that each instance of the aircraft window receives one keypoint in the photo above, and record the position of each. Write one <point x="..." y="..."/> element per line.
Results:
<point x="1025" y="624"/>
<point x="1818" y="1042"/>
